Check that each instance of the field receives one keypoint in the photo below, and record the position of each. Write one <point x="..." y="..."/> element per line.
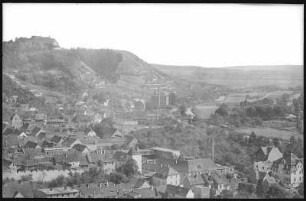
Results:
<point x="203" y="111"/>
<point x="271" y="133"/>
<point x="278" y="94"/>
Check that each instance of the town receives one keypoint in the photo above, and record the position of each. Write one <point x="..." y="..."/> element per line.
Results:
<point x="152" y="101"/>
<point x="50" y="157"/>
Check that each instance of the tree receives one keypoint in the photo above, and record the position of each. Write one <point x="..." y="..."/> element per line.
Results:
<point x="59" y="181"/>
<point x="129" y="168"/>
<point x="301" y="189"/>
<point x="227" y="194"/>
<point x="222" y="111"/>
<point x="116" y="177"/>
<point x="276" y="142"/>
<point x="276" y="191"/>
<point x="252" y="138"/>
<point x="26" y="177"/>
<point x="182" y="109"/>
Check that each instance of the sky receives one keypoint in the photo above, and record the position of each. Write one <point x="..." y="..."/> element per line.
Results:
<point x="207" y="35"/>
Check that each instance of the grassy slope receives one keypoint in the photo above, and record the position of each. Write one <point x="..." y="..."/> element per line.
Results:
<point x="283" y="76"/>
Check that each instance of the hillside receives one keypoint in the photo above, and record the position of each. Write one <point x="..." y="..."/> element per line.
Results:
<point x="41" y="62"/>
<point x="246" y="76"/>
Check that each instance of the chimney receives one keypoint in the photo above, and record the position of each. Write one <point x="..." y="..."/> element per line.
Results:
<point x="87" y="185"/>
<point x="94" y="193"/>
<point x="107" y="183"/>
<point x="213" y="150"/>
<point x="176" y="161"/>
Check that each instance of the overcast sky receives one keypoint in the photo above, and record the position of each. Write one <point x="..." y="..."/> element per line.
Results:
<point x="208" y="35"/>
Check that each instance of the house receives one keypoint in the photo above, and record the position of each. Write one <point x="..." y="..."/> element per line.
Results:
<point x="202" y="191"/>
<point x="166" y="153"/>
<point x="33" y="110"/>
<point x="289" y="170"/>
<point x="24" y="107"/>
<point x="191" y="181"/>
<point x="131" y="142"/>
<point x="53" y="151"/>
<point x="56" y="123"/>
<point x="17" y="122"/>
<point x="58" y="192"/>
<point x="56" y="139"/>
<point x="197" y="185"/>
<point x="81" y="148"/>
<point x="31" y="145"/>
<point x="139" y="105"/>
<point x="142" y="183"/>
<point x="165" y="175"/>
<point x="47" y="144"/>
<point x="22" y="135"/>
<point x="268" y="153"/>
<point x="220" y="183"/>
<point x="146" y="193"/>
<point x="17" y="190"/>
<point x="117" y="133"/>
<point x="71" y="157"/>
<point x="25" y="126"/>
<point x="35" y="131"/>
<point x="70" y="142"/>
<point x="8" y="131"/>
<point x="91" y="133"/>
<point x="178" y="192"/>
<point x="10" y="141"/>
<point x="41" y="117"/>
<point x="189" y="167"/>
<point x="100" y="156"/>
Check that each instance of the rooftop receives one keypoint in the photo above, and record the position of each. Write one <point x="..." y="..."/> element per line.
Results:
<point x="58" y="190"/>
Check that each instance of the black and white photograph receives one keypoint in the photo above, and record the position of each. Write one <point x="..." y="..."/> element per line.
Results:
<point x="153" y="100"/>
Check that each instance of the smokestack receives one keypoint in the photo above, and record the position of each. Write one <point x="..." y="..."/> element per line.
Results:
<point x="213" y="150"/>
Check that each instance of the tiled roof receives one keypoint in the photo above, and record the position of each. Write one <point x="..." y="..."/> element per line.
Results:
<point x="8" y="131"/>
<point x="68" y="141"/>
<point x="24" y="189"/>
<point x="177" y="190"/>
<point x="195" y="180"/>
<point x="219" y="178"/>
<point x="274" y="154"/>
<point x="30" y="144"/>
<point x="56" y="139"/>
<point x="148" y="193"/>
<point x="35" y="130"/>
<point x="79" y="147"/>
<point x="47" y="144"/>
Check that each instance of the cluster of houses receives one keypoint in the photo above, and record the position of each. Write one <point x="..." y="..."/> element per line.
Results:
<point x="272" y="166"/>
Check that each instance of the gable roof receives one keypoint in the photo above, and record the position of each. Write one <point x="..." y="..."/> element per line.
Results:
<point x="177" y="190"/>
<point x="25" y="126"/>
<point x="121" y="156"/>
<point x="195" y="180"/>
<point x="35" y="130"/>
<point x="219" y="178"/>
<point x="8" y="131"/>
<point x="56" y="139"/>
<point x="79" y="147"/>
<point x="47" y="144"/>
<point x="30" y="144"/>
<point x="274" y="154"/>
<point x="68" y="141"/>
<point x="148" y="193"/>
<point x="25" y="189"/>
